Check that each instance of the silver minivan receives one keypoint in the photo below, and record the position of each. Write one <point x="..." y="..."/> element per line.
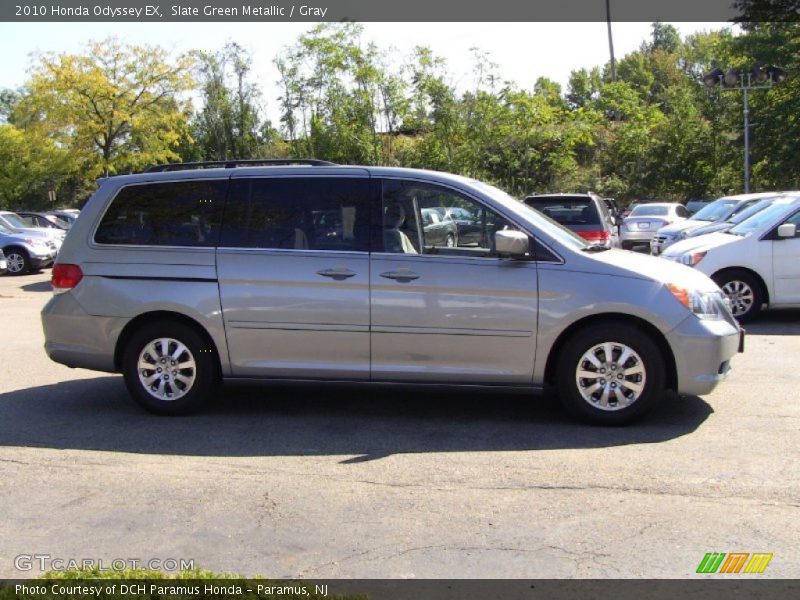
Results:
<point x="182" y="277"/>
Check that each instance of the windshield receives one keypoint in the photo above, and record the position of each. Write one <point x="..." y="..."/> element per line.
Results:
<point x="13" y="220"/>
<point x="760" y="219"/>
<point x="715" y="211"/>
<point x="647" y="210"/>
<point x="546" y="224"/>
<point x="750" y="211"/>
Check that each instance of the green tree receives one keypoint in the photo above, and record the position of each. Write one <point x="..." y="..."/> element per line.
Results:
<point x="117" y="106"/>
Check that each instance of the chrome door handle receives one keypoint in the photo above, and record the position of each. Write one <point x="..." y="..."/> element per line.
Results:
<point x="400" y="275"/>
<point x="336" y="273"/>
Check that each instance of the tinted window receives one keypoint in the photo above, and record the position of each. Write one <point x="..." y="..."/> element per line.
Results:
<point x="307" y="214"/>
<point x="567" y="211"/>
<point x="184" y="213"/>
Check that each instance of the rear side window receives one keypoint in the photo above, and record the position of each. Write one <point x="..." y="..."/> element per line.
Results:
<point x="312" y="213"/>
<point x="184" y="213"/>
<point x="566" y="210"/>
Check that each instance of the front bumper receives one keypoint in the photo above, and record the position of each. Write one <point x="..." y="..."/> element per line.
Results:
<point x="659" y="243"/>
<point x="703" y="350"/>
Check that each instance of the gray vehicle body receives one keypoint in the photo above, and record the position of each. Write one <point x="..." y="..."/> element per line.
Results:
<point x="461" y="321"/>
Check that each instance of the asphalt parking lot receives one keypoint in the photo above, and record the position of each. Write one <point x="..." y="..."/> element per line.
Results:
<point x="319" y="484"/>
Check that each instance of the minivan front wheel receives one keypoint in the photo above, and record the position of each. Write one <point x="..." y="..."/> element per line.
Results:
<point x="169" y="369"/>
<point x="743" y="291"/>
<point x="610" y="374"/>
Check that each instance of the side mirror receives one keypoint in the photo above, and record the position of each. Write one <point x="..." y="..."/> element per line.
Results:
<point x="787" y="230"/>
<point x="511" y="243"/>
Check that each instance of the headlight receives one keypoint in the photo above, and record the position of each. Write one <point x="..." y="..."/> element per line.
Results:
<point x="706" y="305"/>
<point x="692" y="258"/>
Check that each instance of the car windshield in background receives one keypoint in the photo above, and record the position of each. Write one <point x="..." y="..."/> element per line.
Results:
<point x="714" y="211"/>
<point x="750" y="211"/>
<point x="646" y="210"/>
<point x="15" y="221"/>
<point x="759" y="220"/>
<point x="567" y="211"/>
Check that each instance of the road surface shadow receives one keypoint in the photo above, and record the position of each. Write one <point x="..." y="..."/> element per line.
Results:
<point x="775" y="322"/>
<point x="37" y="286"/>
<point x="97" y="414"/>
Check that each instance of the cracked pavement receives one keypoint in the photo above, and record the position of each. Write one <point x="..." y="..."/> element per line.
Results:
<point x="315" y="483"/>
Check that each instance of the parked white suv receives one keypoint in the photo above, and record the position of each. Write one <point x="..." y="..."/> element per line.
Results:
<point x="755" y="263"/>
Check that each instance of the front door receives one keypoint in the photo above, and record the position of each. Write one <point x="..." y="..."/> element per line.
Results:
<point x="448" y="314"/>
<point x="293" y="268"/>
<point x="786" y="265"/>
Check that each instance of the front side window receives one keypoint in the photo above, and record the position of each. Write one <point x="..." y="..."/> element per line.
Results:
<point x="420" y="218"/>
<point x="183" y="213"/>
<point x="312" y="213"/>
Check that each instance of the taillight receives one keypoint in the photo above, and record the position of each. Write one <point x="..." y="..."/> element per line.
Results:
<point x="65" y="277"/>
<point x="598" y="236"/>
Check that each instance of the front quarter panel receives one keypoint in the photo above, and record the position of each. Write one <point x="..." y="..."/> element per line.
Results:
<point x="568" y="295"/>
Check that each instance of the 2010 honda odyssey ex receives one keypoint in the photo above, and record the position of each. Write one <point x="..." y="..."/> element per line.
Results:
<point x="184" y="276"/>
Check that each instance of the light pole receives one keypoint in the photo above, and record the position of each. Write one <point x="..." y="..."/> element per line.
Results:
<point x="757" y="78"/>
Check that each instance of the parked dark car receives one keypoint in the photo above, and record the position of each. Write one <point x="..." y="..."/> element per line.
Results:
<point x="469" y="226"/>
<point x="585" y="214"/>
<point x="438" y="230"/>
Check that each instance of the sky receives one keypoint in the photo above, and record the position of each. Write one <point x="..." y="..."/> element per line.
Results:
<point x="523" y="51"/>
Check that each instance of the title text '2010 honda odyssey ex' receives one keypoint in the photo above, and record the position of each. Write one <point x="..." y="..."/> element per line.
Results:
<point x="181" y="277"/>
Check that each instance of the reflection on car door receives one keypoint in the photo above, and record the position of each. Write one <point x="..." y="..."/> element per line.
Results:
<point x="786" y="265"/>
<point x="293" y="268"/>
<point x="449" y="314"/>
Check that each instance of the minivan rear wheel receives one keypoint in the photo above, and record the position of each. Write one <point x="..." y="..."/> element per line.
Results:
<point x="169" y="368"/>
<point x="610" y="374"/>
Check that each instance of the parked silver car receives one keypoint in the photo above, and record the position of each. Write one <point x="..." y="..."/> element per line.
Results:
<point x="3" y="263"/>
<point x="181" y="278"/>
<point x="25" y="252"/>
<point x="640" y="226"/>
<point x="13" y="221"/>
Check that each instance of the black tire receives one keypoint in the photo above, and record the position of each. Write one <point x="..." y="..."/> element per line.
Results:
<point x="190" y="398"/>
<point x="744" y="291"/>
<point x="646" y="353"/>
<point x="626" y="245"/>
<point x="16" y="257"/>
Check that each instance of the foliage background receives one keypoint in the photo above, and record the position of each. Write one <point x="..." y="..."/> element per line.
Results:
<point x="654" y="133"/>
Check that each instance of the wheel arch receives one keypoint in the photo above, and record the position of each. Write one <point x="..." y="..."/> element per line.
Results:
<point x="162" y="315"/>
<point x="551" y="366"/>
<point x="754" y="274"/>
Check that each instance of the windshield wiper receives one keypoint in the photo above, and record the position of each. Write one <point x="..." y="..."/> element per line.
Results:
<point x="595" y="248"/>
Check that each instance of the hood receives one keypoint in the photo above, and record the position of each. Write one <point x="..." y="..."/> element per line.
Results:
<point x="710" y="228"/>
<point x="684" y="225"/>
<point x="27" y="232"/>
<point x="701" y="243"/>
<point x="645" y="266"/>
<point x="45" y="232"/>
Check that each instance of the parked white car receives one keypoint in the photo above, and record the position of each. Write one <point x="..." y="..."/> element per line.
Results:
<point x="640" y="226"/>
<point x="755" y="263"/>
